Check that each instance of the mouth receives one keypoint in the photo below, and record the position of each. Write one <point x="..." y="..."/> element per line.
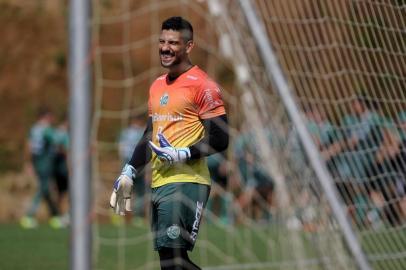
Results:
<point x="166" y="57"/>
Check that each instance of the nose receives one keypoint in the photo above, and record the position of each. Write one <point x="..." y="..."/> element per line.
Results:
<point x="164" y="46"/>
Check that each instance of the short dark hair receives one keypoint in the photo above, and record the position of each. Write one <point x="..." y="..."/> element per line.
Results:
<point x="179" y="24"/>
<point x="369" y="103"/>
<point x="43" y="111"/>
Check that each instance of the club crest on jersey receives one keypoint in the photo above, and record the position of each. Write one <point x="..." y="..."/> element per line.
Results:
<point x="164" y="100"/>
<point x="173" y="231"/>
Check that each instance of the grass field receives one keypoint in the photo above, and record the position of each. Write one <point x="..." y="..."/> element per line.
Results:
<point x="42" y="248"/>
<point x="130" y="247"/>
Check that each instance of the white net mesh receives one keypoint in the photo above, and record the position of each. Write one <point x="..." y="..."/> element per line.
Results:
<point x="126" y="62"/>
<point x="343" y="60"/>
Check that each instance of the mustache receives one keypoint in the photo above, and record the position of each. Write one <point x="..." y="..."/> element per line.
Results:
<point x="168" y="53"/>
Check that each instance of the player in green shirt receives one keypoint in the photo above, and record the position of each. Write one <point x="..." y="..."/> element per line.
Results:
<point x="402" y="125"/>
<point x="353" y="155"/>
<point x="42" y="153"/>
<point x="60" y="166"/>
<point x="257" y="184"/>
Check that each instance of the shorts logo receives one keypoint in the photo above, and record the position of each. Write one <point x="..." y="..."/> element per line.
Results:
<point x="164" y="100"/>
<point x="173" y="231"/>
<point x="196" y="223"/>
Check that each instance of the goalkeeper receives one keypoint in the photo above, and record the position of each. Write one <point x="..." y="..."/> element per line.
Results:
<point x="187" y="122"/>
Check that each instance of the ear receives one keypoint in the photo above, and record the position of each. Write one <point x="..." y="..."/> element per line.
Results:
<point x="189" y="46"/>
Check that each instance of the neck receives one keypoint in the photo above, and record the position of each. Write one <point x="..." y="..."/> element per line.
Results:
<point x="176" y="71"/>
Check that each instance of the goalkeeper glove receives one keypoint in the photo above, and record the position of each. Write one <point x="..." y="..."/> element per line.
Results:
<point x="120" y="199"/>
<point x="167" y="153"/>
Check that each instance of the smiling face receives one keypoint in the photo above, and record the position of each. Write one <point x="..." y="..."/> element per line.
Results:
<point x="174" y="49"/>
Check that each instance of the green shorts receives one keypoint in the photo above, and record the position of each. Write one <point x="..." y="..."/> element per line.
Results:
<point x="177" y="209"/>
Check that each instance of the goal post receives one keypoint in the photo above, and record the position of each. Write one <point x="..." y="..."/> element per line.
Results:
<point x="79" y="115"/>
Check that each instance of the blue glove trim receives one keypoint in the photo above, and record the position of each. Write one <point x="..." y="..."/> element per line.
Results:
<point x="163" y="142"/>
<point x="129" y="171"/>
<point x="116" y="184"/>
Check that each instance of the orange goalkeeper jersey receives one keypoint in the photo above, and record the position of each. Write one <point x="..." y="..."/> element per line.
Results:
<point x="176" y="109"/>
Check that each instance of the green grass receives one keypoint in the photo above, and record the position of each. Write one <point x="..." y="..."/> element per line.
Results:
<point x="125" y="248"/>
<point x="216" y="246"/>
<point x="45" y="248"/>
<point x="42" y="248"/>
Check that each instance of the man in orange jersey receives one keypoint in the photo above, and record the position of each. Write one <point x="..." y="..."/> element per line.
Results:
<point x="187" y="122"/>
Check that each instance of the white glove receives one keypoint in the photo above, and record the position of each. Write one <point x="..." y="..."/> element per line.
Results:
<point x="120" y="199"/>
<point x="167" y="153"/>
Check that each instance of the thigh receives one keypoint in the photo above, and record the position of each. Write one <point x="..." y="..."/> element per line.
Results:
<point x="177" y="210"/>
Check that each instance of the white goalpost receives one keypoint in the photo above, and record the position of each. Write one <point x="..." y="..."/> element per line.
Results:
<point x="79" y="115"/>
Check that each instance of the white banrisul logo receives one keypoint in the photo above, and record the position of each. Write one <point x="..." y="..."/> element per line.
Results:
<point x="196" y="223"/>
<point x="167" y="117"/>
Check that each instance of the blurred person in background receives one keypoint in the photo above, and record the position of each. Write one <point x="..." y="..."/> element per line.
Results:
<point x="129" y="138"/>
<point x="401" y="120"/>
<point x="61" y="168"/>
<point x="41" y="151"/>
<point x="329" y="142"/>
<point x="324" y="134"/>
<point x="387" y="179"/>
<point x="363" y="136"/>
<point x="391" y="162"/>
<point x="257" y="186"/>
<point x="400" y="161"/>
<point x="220" y="199"/>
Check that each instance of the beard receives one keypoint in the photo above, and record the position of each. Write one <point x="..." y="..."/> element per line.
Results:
<point x="169" y="59"/>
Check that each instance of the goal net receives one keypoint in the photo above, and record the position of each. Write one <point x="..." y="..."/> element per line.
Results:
<point x="343" y="62"/>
